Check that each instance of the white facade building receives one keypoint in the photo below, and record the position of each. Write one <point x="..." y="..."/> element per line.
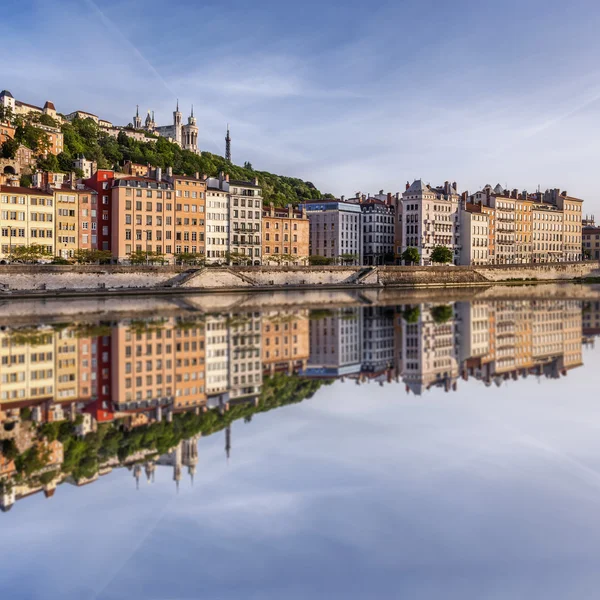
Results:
<point x="217" y="220"/>
<point x="430" y="218"/>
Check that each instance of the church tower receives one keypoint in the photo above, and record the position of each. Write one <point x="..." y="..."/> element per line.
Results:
<point x="189" y="133"/>
<point x="177" y="122"/>
<point x="149" y="123"/>
<point x="137" y="120"/>
<point x="228" y="145"/>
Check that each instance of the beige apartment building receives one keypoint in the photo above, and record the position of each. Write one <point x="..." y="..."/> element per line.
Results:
<point x="547" y="236"/>
<point x="67" y="222"/>
<point x="26" y="218"/>
<point x="475" y="231"/>
<point x="572" y="209"/>
<point x="523" y="228"/>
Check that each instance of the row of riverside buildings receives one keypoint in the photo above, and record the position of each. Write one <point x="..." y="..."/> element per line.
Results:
<point x="225" y="221"/>
<point x="137" y="372"/>
<point x="142" y="209"/>
<point x="215" y="218"/>
<point x="491" y="226"/>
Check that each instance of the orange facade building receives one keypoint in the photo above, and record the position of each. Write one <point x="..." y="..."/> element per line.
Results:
<point x="286" y="236"/>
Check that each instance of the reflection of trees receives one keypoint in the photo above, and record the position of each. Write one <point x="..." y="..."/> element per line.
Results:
<point x="441" y="314"/>
<point x="411" y="314"/>
<point x="84" y="456"/>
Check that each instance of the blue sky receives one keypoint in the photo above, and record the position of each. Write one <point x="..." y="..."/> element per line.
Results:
<point x="359" y="493"/>
<point x="350" y="95"/>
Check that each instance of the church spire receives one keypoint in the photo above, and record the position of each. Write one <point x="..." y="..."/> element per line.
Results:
<point x="228" y="145"/>
<point x="177" y="109"/>
<point x="137" y="110"/>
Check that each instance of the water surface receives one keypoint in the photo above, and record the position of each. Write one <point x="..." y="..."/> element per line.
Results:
<point x="408" y="451"/>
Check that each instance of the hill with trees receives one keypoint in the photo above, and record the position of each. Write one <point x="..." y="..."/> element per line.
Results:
<point x="83" y="136"/>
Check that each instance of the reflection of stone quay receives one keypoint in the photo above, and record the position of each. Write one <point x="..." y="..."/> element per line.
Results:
<point x="80" y="398"/>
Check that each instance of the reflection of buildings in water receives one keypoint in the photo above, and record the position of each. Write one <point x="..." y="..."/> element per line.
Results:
<point x="591" y="318"/>
<point x="217" y="354"/>
<point x="285" y="340"/>
<point x="245" y="368"/>
<point x="158" y="367"/>
<point x="378" y="338"/>
<point x="335" y="343"/>
<point x="430" y="350"/>
<point x="142" y="372"/>
<point x="529" y="337"/>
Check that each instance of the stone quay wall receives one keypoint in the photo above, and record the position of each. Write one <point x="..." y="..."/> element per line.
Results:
<point x="40" y="279"/>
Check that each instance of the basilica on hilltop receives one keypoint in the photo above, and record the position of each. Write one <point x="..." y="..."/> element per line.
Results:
<point x="184" y="135"/>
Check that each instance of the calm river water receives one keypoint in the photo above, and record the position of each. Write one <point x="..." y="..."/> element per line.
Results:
<point x="409" y="451"/>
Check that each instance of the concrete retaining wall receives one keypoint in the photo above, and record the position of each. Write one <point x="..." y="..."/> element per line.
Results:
<point x="22" y="278"/>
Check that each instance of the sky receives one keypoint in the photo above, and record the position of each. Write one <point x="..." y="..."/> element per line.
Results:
<point x="353" y="96"/>
<point x="360" y="492"/>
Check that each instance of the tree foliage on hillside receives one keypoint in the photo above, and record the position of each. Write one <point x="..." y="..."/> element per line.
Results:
<point x="83" y="136"/>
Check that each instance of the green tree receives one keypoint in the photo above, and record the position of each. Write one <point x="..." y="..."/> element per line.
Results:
<point x="411" y="314"/>
<point x="25" y="180"/>
<point x="45" y="119"/>
<point x="441" y="255"/>
<point x="189" y="258"/>
<point x="9" y="149"/>
<point x="411" y="256"/>
<point x="6" y="114"/>
<point x="317" y="260"/>
<point x="48" y="163"/>
<point x="28" y="254"/>
<point x="442" y="314"/>
<point x="86" y="257"/>
<point x="237" y="258"/>
<point x="248" y="166"/>
<point x="9" y="449"/>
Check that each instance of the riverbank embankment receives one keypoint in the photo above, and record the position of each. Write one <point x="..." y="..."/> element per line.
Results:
<point x="51" y="281"/>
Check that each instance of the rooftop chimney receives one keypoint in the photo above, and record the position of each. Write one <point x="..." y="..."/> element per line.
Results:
<point x="254" y="181"/>
<point x="226" y="176"/>
<point x="158" y="174"/>
<point x="342" y="198"/>
<point x="197" y="175"/>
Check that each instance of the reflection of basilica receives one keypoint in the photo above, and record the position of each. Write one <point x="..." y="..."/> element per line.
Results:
<point x="123" y="381"/>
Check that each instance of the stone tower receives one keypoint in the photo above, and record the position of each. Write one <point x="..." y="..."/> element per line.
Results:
<point x="137" y="120"/>
<point x="189" y="134"/>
